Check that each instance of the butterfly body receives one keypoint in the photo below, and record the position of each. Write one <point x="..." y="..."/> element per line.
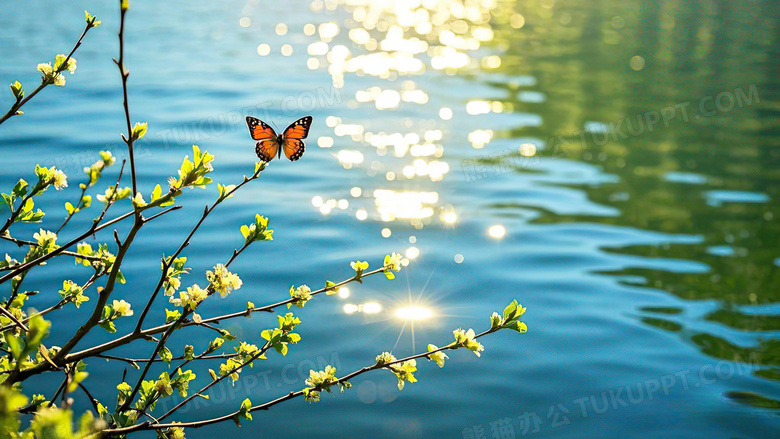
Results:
<point x="270" y="144"/>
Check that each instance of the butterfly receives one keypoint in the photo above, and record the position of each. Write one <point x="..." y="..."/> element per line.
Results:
<point x="270" y="144"/>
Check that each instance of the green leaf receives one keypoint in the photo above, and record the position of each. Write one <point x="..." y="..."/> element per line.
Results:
<point x="17" y="90"/>
<point x="520" y="327"/>
<point x="18" y="302"/>
<point x="246" y="405"/>
<point x="108" y="326"/>
<point x="38" y="330"/>
<point x="196" y="154"/>
<point x="226" y="335"/>
<point x="20" y="189"/>
<point x="42" y="173"/>
<point x="31" y="217"/>
<point x="8" y="200"/>
<point x="156" y="193"/>
<point x="171" y="316"/>
<point x="91" y="20"/>
<point x="146" y="387"/>
<point x="215" y="344"/>
<point x="166" y="356"/>
<point x="139" y="130"/>
<point x="510" y="310"/>
<point x="77" y="378"/>
<point x="28" y="205"/>
<point x="281" y="348"/>
<point x="14" y="344"/>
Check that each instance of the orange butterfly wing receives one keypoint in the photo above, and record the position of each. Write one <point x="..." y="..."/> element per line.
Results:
<point x="266" y="150"/>
<point x="268" y="146"/>
<point x="291" y="138"/>
<point x="259" y="130"/>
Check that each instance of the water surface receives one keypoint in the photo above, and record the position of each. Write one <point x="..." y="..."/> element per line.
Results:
<point x="628" y="150"/>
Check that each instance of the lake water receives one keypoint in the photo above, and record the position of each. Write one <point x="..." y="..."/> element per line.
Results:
<point x="611" y="165"/>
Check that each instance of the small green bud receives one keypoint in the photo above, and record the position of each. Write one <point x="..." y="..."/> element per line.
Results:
<point x="17" y="90"/>
<point x="139" y="130"/>
<point x="91" y="20"/>
<point x="495" y="320"/>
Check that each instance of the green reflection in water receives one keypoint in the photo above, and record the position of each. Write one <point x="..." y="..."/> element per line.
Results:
<point x="713" y="170"/>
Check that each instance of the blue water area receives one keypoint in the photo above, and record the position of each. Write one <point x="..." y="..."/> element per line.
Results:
<point x="611" y="165"/>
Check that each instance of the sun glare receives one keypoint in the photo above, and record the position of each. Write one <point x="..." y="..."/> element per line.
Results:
<point x="413" y="313"/>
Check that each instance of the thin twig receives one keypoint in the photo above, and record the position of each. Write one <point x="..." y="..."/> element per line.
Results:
<point x="78" y="205"/>
<point x="19" y="103"/>
<point x="269" y="308"/>
<point x="158" y="360"/>
<point x="21" y="242"/>
<point x="170" y="209"/>
<point x="125" y="73"/>
<point x="57" y="393"/>
<point x="44" y="312"/>
<point x="13" y="318"/>
<point x="92" y="399"/>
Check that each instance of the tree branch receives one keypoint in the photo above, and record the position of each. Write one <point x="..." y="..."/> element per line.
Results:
<point x="132" y="336"/>
<point x="20" y="102"/>
<point x="291" y="395"/>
